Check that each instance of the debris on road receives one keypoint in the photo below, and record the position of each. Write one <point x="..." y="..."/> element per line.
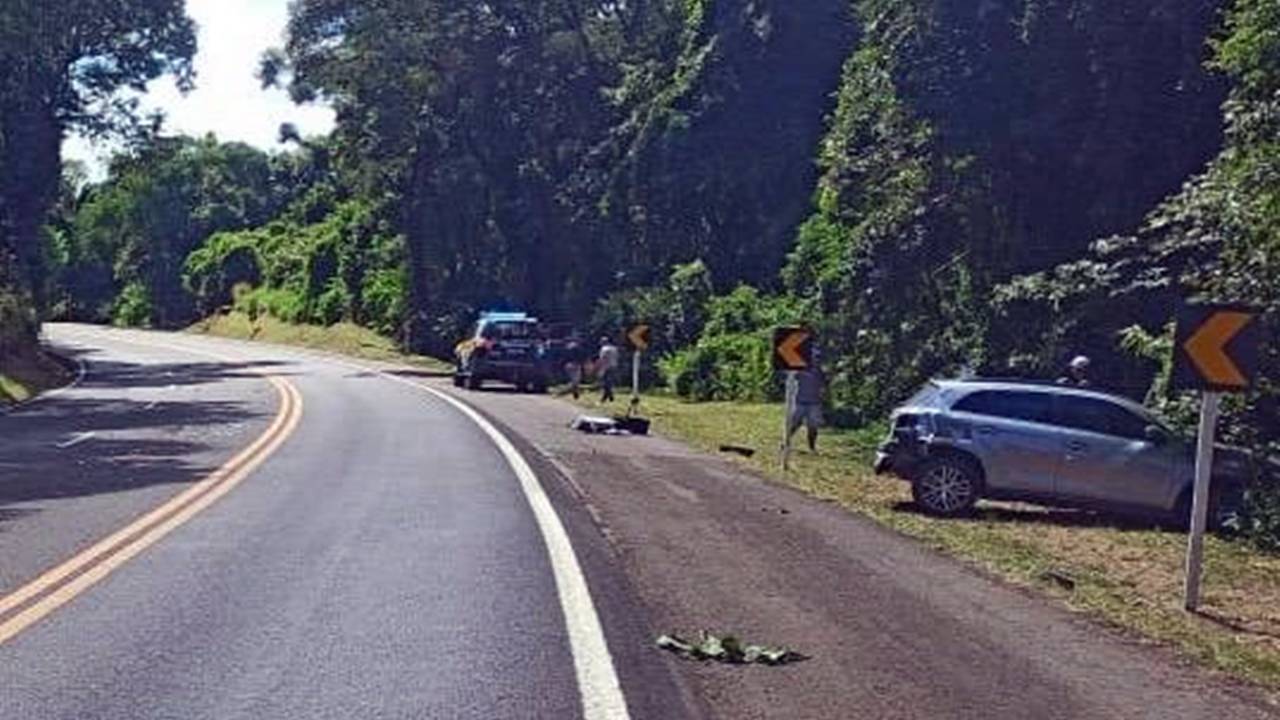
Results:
<point x="595" y="425"/>
<point x="1059" y="578"/>
<point x="728" y="649"/>
<point x="738" y="449"/>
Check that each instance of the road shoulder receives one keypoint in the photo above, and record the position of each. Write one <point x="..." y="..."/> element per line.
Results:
<point x="894" y="629"/>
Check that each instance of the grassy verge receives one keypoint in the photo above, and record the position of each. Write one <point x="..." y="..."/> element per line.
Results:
<point x="23" y="375"/>
<point x="344" y="338"/>
<point x="1122" y="572"/>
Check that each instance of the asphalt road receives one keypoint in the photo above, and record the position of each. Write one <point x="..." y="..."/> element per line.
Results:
<point x="385" y="561"/>
<point x="376" y="553"/>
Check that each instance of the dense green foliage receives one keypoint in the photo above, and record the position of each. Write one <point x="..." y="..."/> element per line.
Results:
<point x="64" y="62"/>
<point x="971" y="144"/>
<point x="997" y="186"/>
<point x="136" y="230"/>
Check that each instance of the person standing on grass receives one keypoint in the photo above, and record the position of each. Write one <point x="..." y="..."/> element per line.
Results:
<point x="806" y="387"/>
<point x="607" y="368"/>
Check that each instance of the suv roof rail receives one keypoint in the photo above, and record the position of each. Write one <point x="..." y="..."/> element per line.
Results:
<point x="1032" y="382"/>
<point x="1014" y="381"/>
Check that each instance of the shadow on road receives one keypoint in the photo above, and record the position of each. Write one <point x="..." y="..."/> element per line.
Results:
<point x="102" y="438"/>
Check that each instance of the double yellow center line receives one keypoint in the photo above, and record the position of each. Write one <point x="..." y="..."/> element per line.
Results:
<point x="32" y="602"/>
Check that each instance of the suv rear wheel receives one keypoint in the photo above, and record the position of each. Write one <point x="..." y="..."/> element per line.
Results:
<point x="946" y="486"/>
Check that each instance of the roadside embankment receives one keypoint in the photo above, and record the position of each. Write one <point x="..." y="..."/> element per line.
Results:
<point x="26" y="372"/>
<point x="343" y="338"/>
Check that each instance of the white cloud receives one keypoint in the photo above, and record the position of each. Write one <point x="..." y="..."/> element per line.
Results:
<point x="227" y="100"/>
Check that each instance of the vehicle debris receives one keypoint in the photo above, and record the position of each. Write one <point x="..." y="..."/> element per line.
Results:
<point x="728" y="649"/>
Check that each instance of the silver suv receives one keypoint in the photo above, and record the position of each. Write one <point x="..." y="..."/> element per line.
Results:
<point x="959" y="440"/>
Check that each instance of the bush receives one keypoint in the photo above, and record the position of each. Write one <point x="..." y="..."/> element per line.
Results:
<point x="723" y="367"/>
<point x="386" y="299"/>
<point x="1259" y="518"/>
<point x="224" y="261"/>
<point x="731" y="360"/>
<point x="281" y="303"/>
<point x="333" y="305"/>
<point x="17" y="323"/>
<point x="133" y="306"/>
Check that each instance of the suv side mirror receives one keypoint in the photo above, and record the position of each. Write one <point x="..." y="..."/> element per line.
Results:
<point x="1155" y="435"/>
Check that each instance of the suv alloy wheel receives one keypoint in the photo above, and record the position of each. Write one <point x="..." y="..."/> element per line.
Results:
<point x="946" y="485"/>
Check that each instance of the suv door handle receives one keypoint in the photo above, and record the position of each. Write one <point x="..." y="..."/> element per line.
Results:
<point x="985" y="430"/>
<point x="1076" y="446"/>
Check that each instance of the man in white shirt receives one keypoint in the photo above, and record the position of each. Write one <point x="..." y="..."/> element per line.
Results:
<point x="607" y="368"/>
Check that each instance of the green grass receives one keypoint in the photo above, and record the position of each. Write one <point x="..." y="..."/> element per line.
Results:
<point x="1126" y="574"/>
<point x="23" y="375"/>
<point x="343" y="338"/>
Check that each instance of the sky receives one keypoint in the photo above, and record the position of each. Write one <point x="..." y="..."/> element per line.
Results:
<point x="227" y="99"/>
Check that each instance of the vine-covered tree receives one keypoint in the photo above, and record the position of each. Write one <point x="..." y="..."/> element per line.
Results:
<point x="65" y="62"/>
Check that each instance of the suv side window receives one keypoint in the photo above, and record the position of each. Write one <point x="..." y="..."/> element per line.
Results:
<point x="1012" y="404"/>
<point x="1100" y="416"/>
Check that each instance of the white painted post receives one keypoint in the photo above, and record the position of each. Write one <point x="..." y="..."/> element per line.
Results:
<point x="1200" y="497"/>
<point x="635" y="376"/>
<point x="788" y="409"/>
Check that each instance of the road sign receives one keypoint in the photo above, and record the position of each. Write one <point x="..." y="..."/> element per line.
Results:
<point x="1216" y="348"/>
<point x="638" y="336"/>
<point x="792" y="348"/>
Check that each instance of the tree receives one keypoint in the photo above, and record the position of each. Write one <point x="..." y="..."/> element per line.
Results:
<point x="161" y="203"/>
<point x="975" y="142"/>
<point x="65" y="62"/>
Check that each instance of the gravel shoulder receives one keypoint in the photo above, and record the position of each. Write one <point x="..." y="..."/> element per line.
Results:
<point x="893" y="629"/>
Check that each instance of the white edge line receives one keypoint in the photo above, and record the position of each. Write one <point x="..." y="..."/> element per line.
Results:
<point x="602" y="697"/>
<point x="598" y="685"/>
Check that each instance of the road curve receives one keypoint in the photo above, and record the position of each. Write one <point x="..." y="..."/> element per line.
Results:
<point x="384" y="560"/>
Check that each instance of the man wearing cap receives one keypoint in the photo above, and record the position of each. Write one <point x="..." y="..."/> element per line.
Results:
<point x="1077" y="372"/>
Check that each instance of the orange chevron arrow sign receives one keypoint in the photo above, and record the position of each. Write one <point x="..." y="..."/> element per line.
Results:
<point x="638" y="336"/>
<point x="1216" y="348"/>
<point x="792" y="348"/>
